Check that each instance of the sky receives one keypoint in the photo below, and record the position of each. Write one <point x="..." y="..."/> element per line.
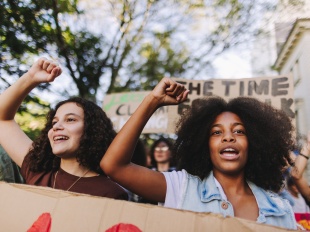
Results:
<point x="231" y="66"/>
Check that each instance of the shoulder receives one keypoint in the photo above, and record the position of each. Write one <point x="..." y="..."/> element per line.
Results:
<point x="267" y="199"/>
<point x="171" y="169"/>
<point x="176" y="175"/>
<point x="279" y="200"/>
<point x="275" y="196"/>
<point x="106" y="181"/>
<point x="110" y="184"/>
<point x="108" y="188"/>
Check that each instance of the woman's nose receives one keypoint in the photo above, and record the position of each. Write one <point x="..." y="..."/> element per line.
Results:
<point x="57" y="126"/>
<point x="228" y="137"/>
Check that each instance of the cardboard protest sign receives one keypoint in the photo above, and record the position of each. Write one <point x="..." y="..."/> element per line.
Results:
<point x="26" y="207"/>
<point x="120" y="106"/>
<point x="277" y="91"/>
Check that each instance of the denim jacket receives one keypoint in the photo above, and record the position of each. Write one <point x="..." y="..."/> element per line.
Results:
<point x="204" y="196"/>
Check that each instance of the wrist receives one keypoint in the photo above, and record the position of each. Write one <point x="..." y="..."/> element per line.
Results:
<point x="305" y="151"/>
<point x="303" y="155"/>
<point x="28" y="80"/>
<point x="153" y="101"/>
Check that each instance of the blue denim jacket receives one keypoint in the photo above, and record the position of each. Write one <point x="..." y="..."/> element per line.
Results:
<point x="204" y="196"/>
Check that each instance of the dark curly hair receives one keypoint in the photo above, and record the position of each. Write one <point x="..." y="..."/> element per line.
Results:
<point x="97" y="136"/>
<point x="152" y="150"/>
<point x="139" y="154"/>
<point x="269" y="132"/>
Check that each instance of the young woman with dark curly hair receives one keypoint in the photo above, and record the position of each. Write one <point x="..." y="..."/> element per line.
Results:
<point x="230" y="155"/>
<point x="67" y="153"/>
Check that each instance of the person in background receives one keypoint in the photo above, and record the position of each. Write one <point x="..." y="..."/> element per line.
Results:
<point x="297" y="172"/>
<point x="9" y="171"/>
<point x="161" y="155"/>
<point x="139" y="155"/>
<point x="299" y="203"/>
<point x="230" y="157"/>
<point x="161" y="160"/>
<point x="66" y="155"/>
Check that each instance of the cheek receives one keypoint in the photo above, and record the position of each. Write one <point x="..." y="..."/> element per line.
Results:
<point x="167" y="154"/>
<point x="212" y="157"/>
<point x="49" y="134"/>
<point x="245" y="145"/>
<point x="79" y="139"/>
<point x="156" y="154"/>
<point x="213" y="145"/>
<point x="79" y="131"/>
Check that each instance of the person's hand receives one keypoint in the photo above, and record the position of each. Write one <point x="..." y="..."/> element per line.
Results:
<point x="169" y="92"/>
<point x="44" y="70"/>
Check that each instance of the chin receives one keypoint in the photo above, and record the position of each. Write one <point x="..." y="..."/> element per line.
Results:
<point x="233" y="172"/>
<point x="60" y="155"/>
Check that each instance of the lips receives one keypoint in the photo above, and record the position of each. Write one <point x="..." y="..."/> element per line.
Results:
<point x="229" y="153"/>
<point x="60" y="137"/>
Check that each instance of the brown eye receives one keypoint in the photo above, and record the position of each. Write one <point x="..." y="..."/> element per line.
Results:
<point x="239" y="132"/>
<point x="71" y="120"/>
<point x="216" y="133"/>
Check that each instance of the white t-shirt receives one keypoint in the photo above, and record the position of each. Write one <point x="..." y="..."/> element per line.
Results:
<point x="176" y="181"/>
<point x="300" y="205"/>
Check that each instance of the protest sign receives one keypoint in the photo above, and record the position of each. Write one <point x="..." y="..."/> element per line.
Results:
<point x="120" y="106"/>
<point x="34" y="208"/>
<point x="276" y="91"/>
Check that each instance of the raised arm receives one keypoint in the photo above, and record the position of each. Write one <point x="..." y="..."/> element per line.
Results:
<point x="12" y="138"/>
<point x="301" y="160"/>
<point x="116" y="161"/>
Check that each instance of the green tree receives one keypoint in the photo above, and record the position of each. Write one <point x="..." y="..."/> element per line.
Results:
<point x="31" y="116"/>
<point x="115" y="45"/>
<point x="26" y="30"/>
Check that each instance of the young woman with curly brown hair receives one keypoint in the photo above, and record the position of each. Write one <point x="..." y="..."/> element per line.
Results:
<point x="230" y="155"/>
<point x="67" y="153"/>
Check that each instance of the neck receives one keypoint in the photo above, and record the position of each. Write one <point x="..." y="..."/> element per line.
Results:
<point x="162" y="167"/>
<point x="293" y="193"/>
<point x="74" y="168"/>
<point x="232" y="184"/>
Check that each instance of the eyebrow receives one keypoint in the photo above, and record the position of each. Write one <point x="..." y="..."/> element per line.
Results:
<point x="234" y="124"/>
<point x="69" y="114"/>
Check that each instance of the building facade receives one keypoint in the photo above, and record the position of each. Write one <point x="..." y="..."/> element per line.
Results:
<point x="294" y="58"/>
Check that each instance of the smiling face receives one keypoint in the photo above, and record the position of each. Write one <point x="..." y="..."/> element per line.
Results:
<point x="228" y="144"/>
<point x="67" y="130"/>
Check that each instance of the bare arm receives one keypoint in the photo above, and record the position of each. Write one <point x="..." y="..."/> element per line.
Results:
<point x="116" y="161"/>
<point x="12" y="138"/>
<point x="301" y="161"/>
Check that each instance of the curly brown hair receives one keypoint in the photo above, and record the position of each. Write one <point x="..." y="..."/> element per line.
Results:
<point x="270" y="136"/>
<point x="97" y="136"/>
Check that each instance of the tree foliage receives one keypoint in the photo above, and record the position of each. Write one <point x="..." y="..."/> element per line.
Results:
<point x="110" y="46"/>
<point x="31" y="116"/>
